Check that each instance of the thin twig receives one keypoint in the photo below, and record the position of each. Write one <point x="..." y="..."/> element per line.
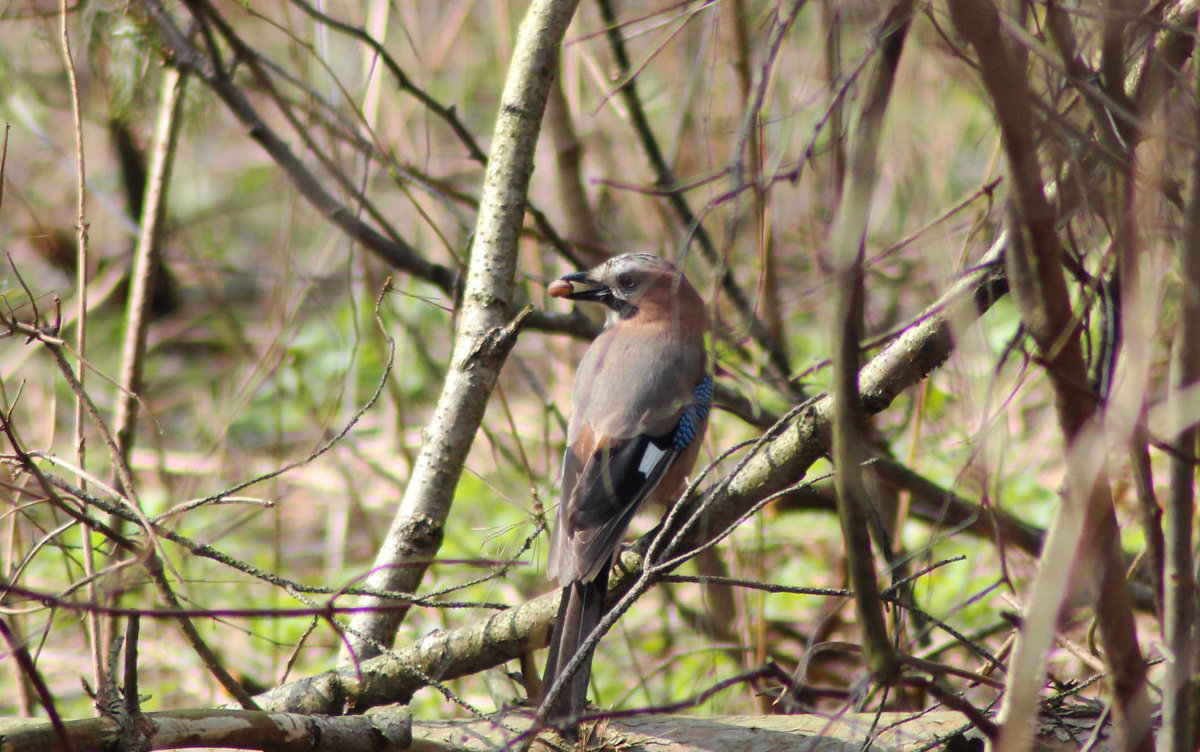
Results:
<point x="146" y="259"/>
<point x="95" y="634"/>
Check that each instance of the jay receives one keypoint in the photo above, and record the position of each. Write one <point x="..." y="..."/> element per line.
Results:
<point x="639" y="408"/>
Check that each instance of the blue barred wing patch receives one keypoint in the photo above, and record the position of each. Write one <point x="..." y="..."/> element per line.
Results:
<point x="693" y="417"/>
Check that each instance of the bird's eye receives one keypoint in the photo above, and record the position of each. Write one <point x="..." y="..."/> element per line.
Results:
<point x="626" y="281"/>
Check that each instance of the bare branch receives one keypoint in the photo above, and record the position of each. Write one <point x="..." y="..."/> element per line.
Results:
<point x="147" y="260"/>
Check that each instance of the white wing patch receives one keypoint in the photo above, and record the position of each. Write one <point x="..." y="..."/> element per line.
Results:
<point x="650" y="458"/>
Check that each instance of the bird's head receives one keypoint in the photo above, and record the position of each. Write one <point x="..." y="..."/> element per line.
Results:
<point x="625" y="283"/>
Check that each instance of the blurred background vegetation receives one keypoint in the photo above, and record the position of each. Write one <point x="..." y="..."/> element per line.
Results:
<point x="264" y="343"/>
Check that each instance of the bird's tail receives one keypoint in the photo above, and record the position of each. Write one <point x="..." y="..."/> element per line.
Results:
<point x="579" y="612"/>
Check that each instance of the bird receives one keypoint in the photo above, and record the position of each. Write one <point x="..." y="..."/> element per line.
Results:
<point x="639" y="409"/>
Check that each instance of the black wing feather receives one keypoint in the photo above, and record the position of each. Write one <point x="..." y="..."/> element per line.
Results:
<point x="610" y="489"/>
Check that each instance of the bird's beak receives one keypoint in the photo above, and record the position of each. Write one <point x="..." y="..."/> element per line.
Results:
<point x="578" y="286"/>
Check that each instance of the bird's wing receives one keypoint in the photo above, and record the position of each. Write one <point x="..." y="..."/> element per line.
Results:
<point x="613" y="481"/>
<point x="605" y="481"/>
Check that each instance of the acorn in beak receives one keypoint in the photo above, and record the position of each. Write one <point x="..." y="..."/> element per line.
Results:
<point x="578" y="286"/>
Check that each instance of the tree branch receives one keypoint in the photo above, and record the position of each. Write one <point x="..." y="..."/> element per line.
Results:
<point x="483" y="336"/>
